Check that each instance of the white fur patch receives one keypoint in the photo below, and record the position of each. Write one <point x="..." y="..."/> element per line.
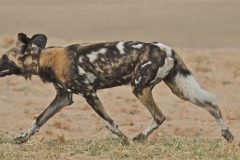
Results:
<point x="33" y="45"/>
<point x="120" y="47"/>
<point x="138" y="46"/>
<point x="94" y="55"/>
<point x="32" y="129"/>
<point x="114" y="128"/>
<point x="221" y="124"/>
<point x="153" y="126"/>
<point x="94" y="94"/>
<point x="59" y="85"/>
<point x="81" y="71"/>
<point x="165" y="69"/>
<point x="91" y="78"/>
<point x="80" y="59"/>
<point x="103" y="50"/>
<point x="192" y="90"/>
<point x="137" y="81"/>
<point x="149" y="62"/>
<point x="80" y="94"/>
<point x="165" y="48"/>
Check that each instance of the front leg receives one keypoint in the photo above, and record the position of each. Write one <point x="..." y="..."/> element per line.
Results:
<point x="62" y="99"/>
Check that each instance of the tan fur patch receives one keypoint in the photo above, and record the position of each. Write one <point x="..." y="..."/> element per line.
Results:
<point x="144" y="56"/>
<point x="99" y="69"/>
<point x="175" y="90"/>
<point x="180" y="61"/>
<point x="57" y="59"/>
<point x="13" y="56"/>
<point x="146" y="97"/>
<point x="110" y="44"/>
<point x="147" y="100"/>
<point x="164" y="49"/>
<point x="28" y="60"/>
<point x="83" y="45"/>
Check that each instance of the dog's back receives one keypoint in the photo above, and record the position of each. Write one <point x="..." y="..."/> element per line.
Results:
<point x="106" y="65"/>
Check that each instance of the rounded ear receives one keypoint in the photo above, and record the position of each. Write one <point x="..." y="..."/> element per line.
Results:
<point x="22" y="42"/>
<point x="22" y="39"/>
<point x="40" y="40"/>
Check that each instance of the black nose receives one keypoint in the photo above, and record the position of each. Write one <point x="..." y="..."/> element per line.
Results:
<point x="4" y="57"/>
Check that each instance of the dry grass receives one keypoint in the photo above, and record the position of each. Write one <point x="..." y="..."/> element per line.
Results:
<point x="110" y="148"/>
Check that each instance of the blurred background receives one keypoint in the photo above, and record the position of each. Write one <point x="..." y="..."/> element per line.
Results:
<point x="182" y="24"/>
<point x="206" y="33"/>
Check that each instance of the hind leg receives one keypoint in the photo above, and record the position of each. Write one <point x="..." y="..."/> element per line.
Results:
<point x="145" y="78"/>
<point x="158" y="118"/>
<point x="210" y="107"/>
<point x="97" y="106"/>
<point x="216" y="113"/>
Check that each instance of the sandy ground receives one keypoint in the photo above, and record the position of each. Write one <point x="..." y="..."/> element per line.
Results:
<point x="205" y="33"/>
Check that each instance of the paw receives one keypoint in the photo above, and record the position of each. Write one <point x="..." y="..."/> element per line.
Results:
<point x="20" y="139"/>
<point x="124" y="140"/>
<point x="125" y="143"/>
<point x="227" y="135"/>
<point x="139" y="138"/>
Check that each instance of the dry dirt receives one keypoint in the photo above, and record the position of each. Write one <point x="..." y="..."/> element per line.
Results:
<point x="205" y="33"/>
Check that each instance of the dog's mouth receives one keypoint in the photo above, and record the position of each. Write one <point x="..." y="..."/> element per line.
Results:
<point x="4" y="71"/>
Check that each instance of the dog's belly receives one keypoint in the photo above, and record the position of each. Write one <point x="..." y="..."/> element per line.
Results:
<point x="102" y="83"/>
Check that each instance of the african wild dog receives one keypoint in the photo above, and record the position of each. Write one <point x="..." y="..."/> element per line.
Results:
<point x="85" y="68"/>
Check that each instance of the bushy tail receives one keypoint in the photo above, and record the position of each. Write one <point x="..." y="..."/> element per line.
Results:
<point x="188" y="85"/>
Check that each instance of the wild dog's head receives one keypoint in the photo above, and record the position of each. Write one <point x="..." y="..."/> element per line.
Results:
<point x="15" y="60"/>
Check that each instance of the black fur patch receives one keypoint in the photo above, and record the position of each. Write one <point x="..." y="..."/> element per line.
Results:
<point x="184" y="71"/>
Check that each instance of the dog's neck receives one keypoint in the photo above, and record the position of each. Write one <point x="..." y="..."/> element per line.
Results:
<point x="31" y="62"/>
<point x="35" y="52"/>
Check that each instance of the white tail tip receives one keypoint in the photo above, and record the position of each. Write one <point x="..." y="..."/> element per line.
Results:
<point x="192" y="90"/>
